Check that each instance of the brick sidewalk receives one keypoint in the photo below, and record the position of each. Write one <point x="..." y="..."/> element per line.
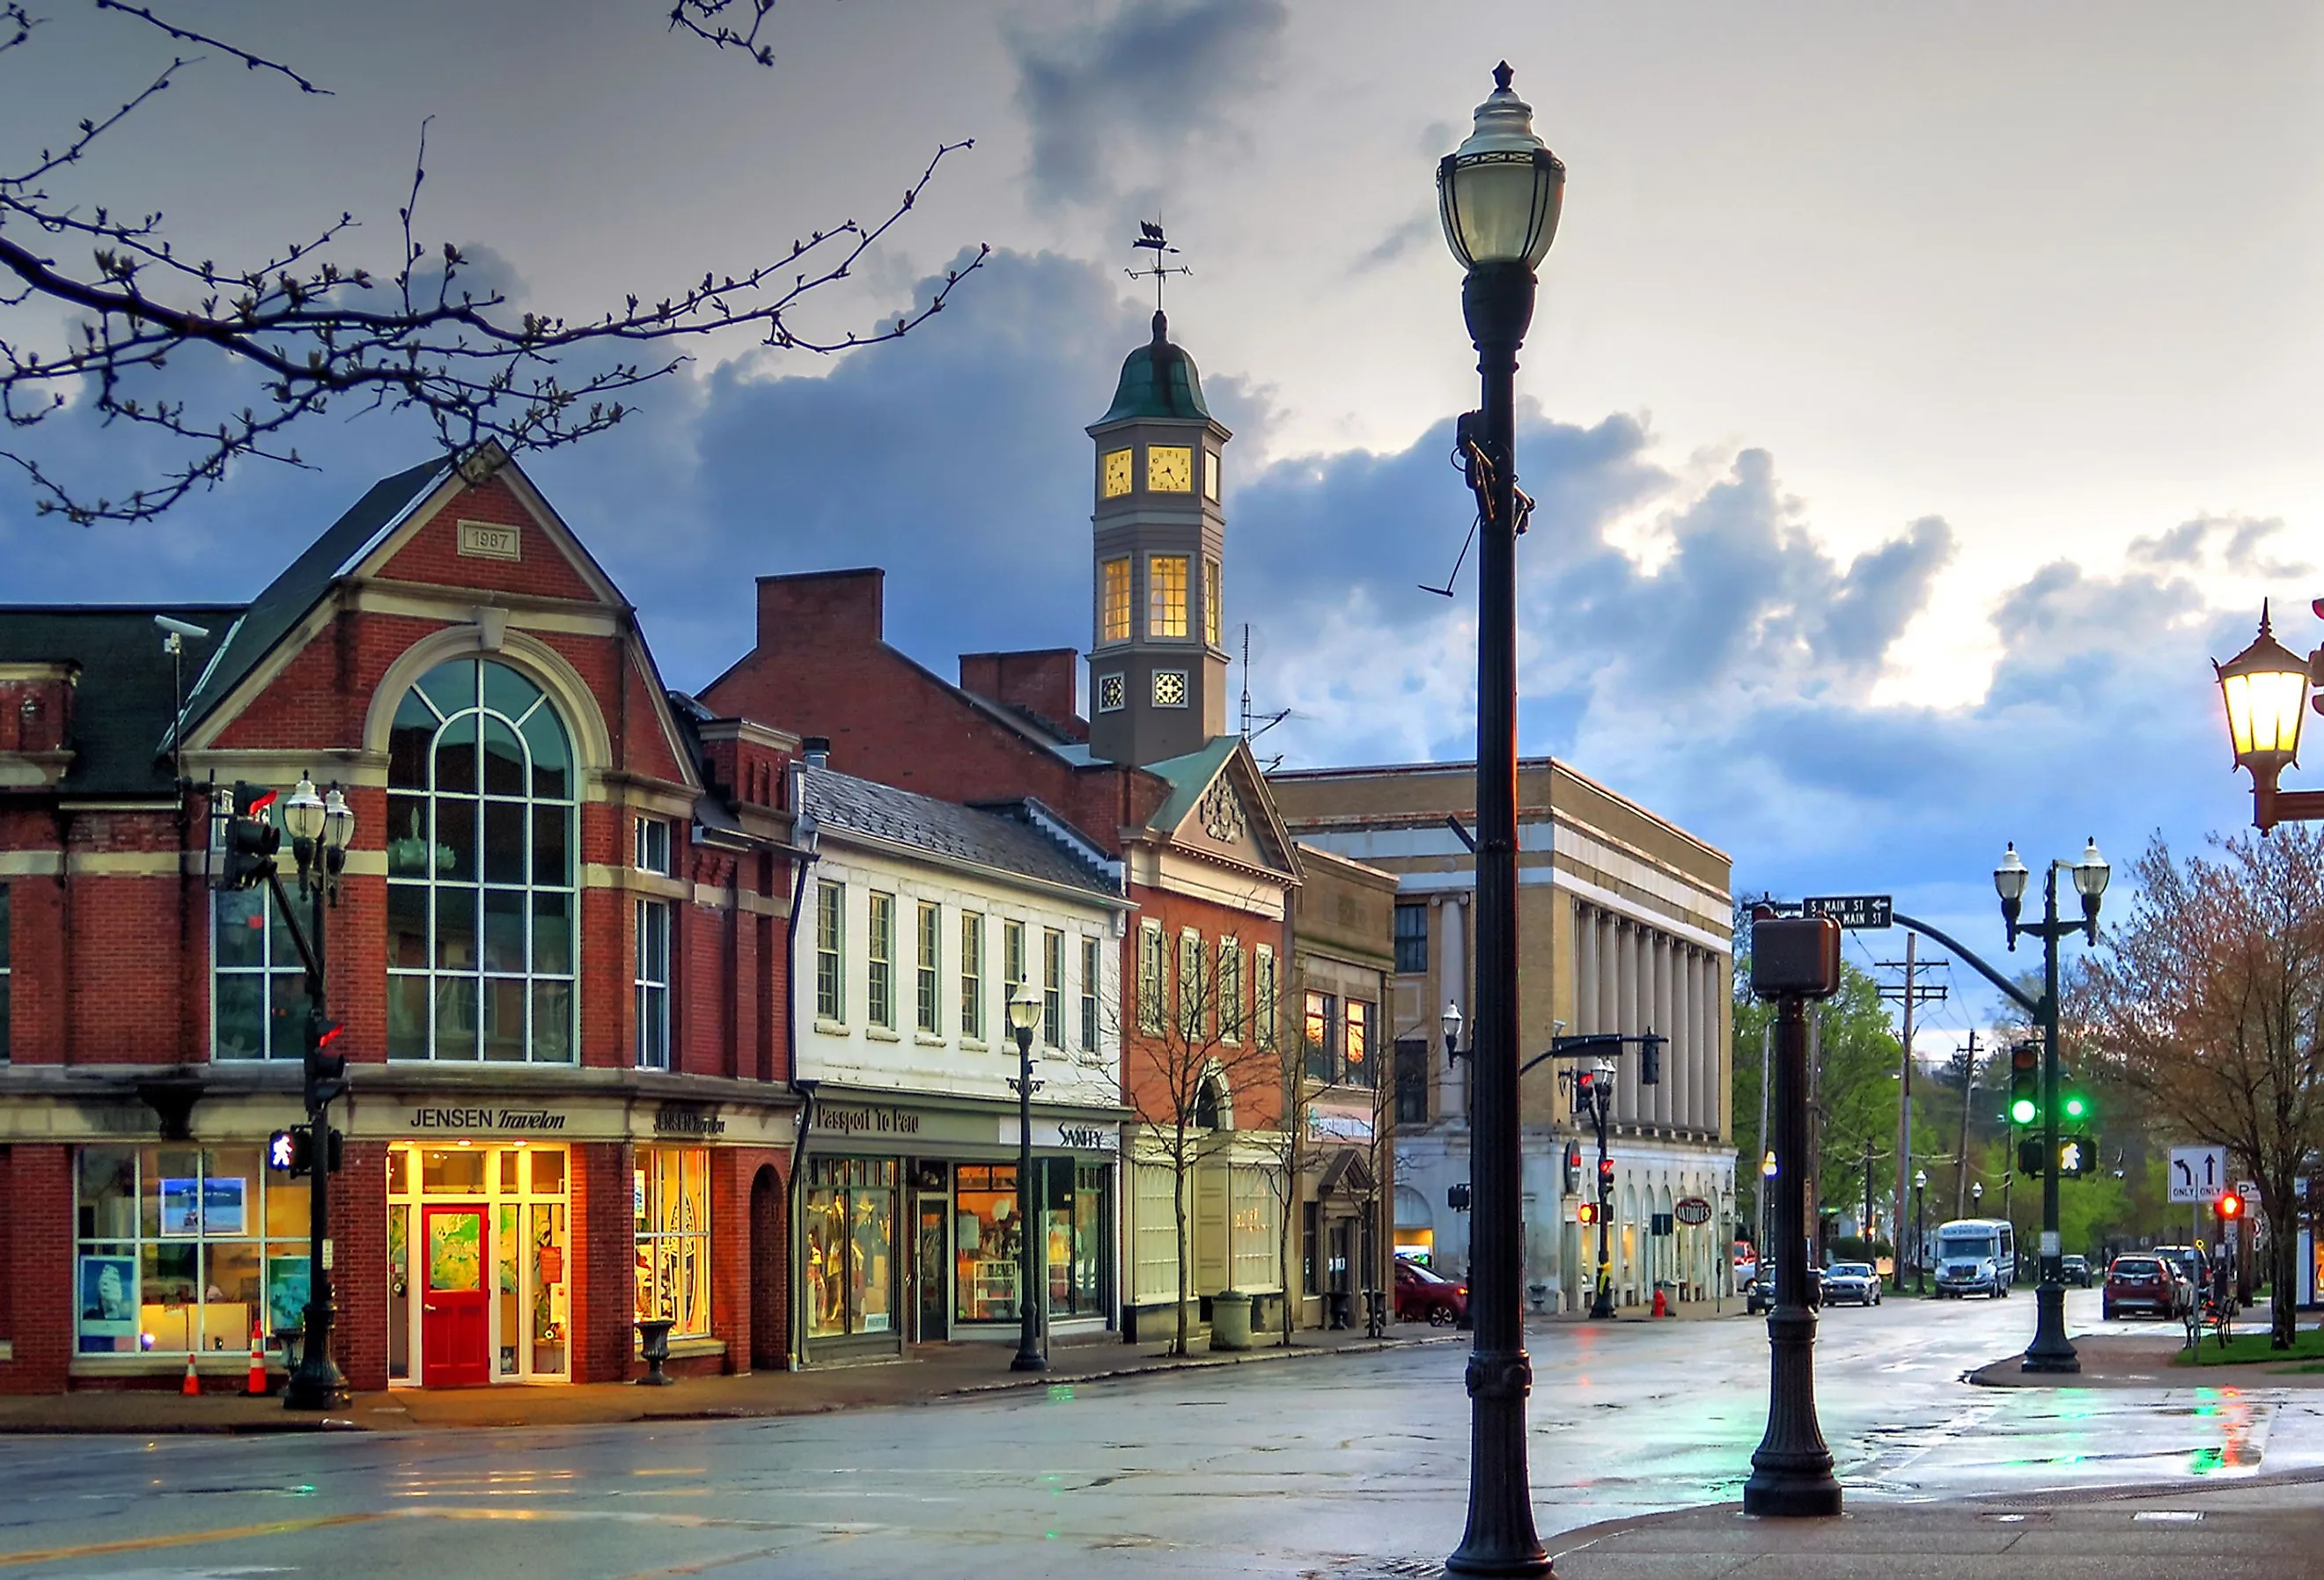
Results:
<point x="928" y="1373"/>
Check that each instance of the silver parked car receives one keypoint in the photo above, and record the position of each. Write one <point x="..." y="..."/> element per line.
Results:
<point x="1851" y="1282"/>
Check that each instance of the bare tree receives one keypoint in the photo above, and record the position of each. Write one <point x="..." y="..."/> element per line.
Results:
<point x="313" y="327"/>
<point x="2213" y="1003"/>
<point x="1192" y="1049"/>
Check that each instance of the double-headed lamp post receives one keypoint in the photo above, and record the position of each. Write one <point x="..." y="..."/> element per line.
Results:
<point x="319" y="827"/>
<point x="2051" y="1350"/>
<point x="1024" y="1014"/>
<point x="2265" y="689"/>
<point x="1500" y="195"/>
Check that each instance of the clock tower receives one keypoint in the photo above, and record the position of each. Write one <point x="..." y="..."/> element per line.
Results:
<point x="1157" y="654"/>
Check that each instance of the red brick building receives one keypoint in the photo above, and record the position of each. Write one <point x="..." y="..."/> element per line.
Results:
<point x="559" y="953"/>
<point x="1153" y="778"/>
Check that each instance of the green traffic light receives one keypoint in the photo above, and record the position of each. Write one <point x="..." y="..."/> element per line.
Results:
<point x="2076" y="1107"/>
<point x="2022" y="1112"/>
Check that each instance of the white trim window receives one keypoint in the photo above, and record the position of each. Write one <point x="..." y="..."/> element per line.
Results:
<point x="1266" y="1009"/>
<point x="1152" y="984"/>
<point x="483" y="914"/>
<point x="926" y="1013"/>
<point x="653" y="982"/>
<point x="880" y="962"/>
<point x="1013" y="973"/>
<point x="1093" y="957"/>
<point x="1192" y="987"/>
<point x="1053" y="988"/>
<point x="1231" y="1010"/>
<point x="971" y="975"/>
<point x="258" y="984"/>
<point x="831" y="953"/>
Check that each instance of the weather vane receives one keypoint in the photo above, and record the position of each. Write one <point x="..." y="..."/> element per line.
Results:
<point x="1150" y="237"/>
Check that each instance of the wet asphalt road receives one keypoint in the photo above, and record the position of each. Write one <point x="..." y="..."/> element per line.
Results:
<point x="1354" y="1466"/>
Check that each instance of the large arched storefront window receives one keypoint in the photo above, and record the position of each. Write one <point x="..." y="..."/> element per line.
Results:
<point x="481" y="909"/>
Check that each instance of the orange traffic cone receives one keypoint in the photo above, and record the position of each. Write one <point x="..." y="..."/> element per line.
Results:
<point x="1662" y="1307"/>
<point x="191" y="1388"/>
<point x="256" y="1386"/>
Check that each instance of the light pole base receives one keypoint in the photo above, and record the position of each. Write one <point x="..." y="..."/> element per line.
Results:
<point x="1535" y="1564"/>
<point x="308" y="1391"/>
<point x="1021" y="1361"/>
<point x="2051" y="1351"/>
<point x="1805" y="1491"/>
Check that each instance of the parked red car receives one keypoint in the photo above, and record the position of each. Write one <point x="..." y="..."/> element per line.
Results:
<point x="2145" y="1282"/>
<point x="1422" y="1296"/>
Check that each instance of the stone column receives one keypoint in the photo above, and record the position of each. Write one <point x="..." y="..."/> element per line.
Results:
<point x="1626" y="953"/>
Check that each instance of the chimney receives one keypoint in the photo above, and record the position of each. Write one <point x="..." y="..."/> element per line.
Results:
<point x="1039" y="682"/>
<point x="822" y="608"/>
<point x="815" y="750"/>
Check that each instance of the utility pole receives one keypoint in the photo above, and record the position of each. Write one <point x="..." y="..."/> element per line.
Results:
<point x="1914" y="993"/>
<point x="1867" y="1225"/>
<point x="1969" y="1085"/>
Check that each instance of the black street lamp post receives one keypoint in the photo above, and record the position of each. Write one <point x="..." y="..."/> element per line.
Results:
<point x="1498" y="195"/>
<point x="1920" y="1231"/>
<point x="1024" y="1014"/>
<point x="320" y="828"/>
<point x="1792" y="960"/>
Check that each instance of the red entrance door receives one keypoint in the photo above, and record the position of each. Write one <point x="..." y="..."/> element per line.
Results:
<point x="455" y="1351"/>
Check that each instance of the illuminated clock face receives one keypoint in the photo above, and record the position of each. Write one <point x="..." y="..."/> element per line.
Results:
<point x="1169" y="469"/>
<point x="1169" y="688"/>
<point x="1117" y="474"/>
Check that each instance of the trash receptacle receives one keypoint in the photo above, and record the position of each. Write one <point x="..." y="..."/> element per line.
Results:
<point x="1340" y="1304"/>
<point x="1230" y="1320"/>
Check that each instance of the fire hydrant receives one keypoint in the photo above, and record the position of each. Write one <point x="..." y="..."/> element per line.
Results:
<point x="1662" y="1307"/>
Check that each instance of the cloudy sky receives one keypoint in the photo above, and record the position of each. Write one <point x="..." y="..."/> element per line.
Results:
<point x="1918" y="395"/>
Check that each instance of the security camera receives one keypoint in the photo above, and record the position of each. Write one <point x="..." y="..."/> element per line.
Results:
<point x="180" y="627"/>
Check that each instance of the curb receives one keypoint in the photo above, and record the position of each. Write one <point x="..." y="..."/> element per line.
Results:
<point x="1193" y="1364"/>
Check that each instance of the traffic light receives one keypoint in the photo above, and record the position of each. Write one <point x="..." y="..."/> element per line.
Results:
<point x="1585" y="1089"/>
<point x="2029" y="1156"/>
<point x="2075" y="1157"/>
<point x="1650" y="1060"/>
<point x="1573" y="1166"/>
<point x="327" y="1072"/>
<point x="292" y="1152"/>
<point x="251" y="838"/>
<point x="2073" y="1108"/>
<point x="335" y="1154"/>
<point x="2025" y="1083"/>
<point x="1588" y="1213"/>
<point x="1456" y="1196"/>
<point x="1605" y="1176"/>
<point x="2229" y="1207"/>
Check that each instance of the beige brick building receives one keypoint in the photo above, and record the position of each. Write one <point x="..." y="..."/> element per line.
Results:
<point x="1624" y="925"/>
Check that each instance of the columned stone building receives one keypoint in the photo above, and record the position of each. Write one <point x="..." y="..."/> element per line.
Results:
<point x="1624" y="925"/>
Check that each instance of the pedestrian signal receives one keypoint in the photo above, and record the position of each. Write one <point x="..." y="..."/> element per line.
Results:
<point x="1588" y="1213"/>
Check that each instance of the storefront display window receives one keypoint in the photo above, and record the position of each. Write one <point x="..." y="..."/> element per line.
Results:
<point x="670" y="1196"/>
<point x="849" y="1258"/>
<point x="174" y="1255"/>
<point x="479" y="1231"/>
<point x="987" y="1242"/>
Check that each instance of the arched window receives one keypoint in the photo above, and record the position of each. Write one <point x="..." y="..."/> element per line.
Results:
<point x="1212" y="1108"/>
<point x="481" y="911"/>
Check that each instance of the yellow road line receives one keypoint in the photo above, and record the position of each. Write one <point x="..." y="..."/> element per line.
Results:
<point x="146" y="1544"/>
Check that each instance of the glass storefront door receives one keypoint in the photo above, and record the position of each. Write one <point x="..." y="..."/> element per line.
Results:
<point x="933" y="1269"/>
<point x="477" y="1264"/>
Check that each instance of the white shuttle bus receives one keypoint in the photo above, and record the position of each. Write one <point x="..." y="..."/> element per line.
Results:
<point x="1976" y="1256"/>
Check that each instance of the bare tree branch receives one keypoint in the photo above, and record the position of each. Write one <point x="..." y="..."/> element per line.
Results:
<point x="313" y="328"/>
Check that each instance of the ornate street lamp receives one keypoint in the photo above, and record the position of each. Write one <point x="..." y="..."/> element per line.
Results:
<point x="1500" y="195"/>
<point x="2265" y="690"/>
<point x="320" y="827"/>
<point x="1024" y="1014"/>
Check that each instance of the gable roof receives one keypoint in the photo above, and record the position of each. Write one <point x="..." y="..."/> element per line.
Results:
<point x="1025" y="846"/>
<point x="1190" y="775"/>
<point x="126" y="693"/>
<point x="275" y="612"/>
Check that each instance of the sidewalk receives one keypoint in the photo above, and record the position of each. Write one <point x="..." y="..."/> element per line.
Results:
<point x="928" y="1373"/>
<point x="2261" y="1529"/>
<point x="2138" y="1361"/>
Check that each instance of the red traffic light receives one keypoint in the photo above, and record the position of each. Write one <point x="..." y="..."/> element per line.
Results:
<point x="1605" y="1170"/>
<point x="2229" y="1206"/>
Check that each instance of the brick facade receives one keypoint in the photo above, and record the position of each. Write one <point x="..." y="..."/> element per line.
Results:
<point x="104" y="858"/>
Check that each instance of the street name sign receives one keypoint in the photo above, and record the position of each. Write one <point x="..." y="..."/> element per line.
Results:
<point x="2198" y="1174"/>
<point x="1852" y="911"/>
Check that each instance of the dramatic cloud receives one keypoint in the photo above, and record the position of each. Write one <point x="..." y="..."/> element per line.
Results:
<point x="1152" y="77"/>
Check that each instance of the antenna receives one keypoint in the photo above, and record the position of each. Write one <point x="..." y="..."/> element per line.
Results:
<point x="1150" y="237"/>
<point x="1249" y="734"/>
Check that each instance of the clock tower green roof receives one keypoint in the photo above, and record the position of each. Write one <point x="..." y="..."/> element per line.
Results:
<point x="1157" y="379"/>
